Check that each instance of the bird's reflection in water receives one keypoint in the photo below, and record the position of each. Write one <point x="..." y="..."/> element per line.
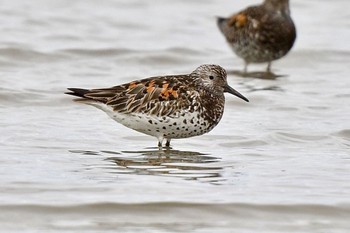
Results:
<point x="168" y="162"/>
<point x="267" y="88"/>
<point x="164" y="162"/>
<point x="259" y="86"/>
<point x="256" y="74"/>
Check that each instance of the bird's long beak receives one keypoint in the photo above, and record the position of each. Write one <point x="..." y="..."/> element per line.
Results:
<point x="234" y="92"/>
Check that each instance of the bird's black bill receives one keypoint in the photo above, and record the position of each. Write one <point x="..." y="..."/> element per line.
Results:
<point x="234" y="92"/>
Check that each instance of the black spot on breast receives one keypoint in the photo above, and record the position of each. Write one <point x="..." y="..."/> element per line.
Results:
<point x="150" y="121"/>
<point x="178" y="128"/>
<point x="174" y="123"/>
<point x="185" y="121"/>
<point x="164" y="127"/>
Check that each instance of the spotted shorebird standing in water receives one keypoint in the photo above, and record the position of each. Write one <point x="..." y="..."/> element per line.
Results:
<point x="261" y="33"/>
<point x="166" y="107"/>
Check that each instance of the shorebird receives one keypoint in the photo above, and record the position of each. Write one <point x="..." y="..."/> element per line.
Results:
<point x="166" y="107"/>
<point x="261" y="33"/>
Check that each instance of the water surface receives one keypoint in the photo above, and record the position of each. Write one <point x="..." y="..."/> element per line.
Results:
<point x="277" y="164"/>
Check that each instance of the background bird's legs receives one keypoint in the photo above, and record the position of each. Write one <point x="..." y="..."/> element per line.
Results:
<point x="245" y="70"/>
<point x="268" y="69"/>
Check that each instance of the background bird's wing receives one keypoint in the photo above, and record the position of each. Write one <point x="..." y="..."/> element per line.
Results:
<point x="248" y="18"/>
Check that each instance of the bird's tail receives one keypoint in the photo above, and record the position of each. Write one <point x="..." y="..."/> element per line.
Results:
<point x="220" y="22"/>
<point x="79" y="92"/>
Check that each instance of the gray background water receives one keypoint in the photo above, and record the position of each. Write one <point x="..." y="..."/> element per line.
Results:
<point x="277" y="164"/>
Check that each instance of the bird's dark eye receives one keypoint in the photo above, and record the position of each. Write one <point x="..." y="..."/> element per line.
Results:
<point x="211" y="77"/>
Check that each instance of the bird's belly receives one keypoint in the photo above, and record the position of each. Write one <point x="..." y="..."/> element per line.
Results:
<point x="253" y="50"/>
<point x="178" y="126"/>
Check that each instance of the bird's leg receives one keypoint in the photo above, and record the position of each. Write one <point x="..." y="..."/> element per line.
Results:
<point x="167" y="144"/>
<point x="245" y="70"/>
<point x="268" y="69"/>
<point x="160" y="143"/>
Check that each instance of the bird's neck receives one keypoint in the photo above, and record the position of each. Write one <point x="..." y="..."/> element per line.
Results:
<point x="213" y="105"/>
<point x="281" y="6"/>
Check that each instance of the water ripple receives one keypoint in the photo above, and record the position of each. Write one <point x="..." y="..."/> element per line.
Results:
<point x="298" y="138"/>
<point x="28" y="55"/>
<point x="178" y="216"/>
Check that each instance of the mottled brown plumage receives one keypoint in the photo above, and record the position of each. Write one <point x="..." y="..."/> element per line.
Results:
<point x="174" y="106"/>
<point x="261" y="33"/>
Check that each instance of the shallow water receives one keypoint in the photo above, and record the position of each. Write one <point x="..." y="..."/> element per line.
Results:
<point x="277" y="164"/>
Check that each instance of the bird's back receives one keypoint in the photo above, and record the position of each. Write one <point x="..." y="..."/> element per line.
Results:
<point x="146" y="96"/>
